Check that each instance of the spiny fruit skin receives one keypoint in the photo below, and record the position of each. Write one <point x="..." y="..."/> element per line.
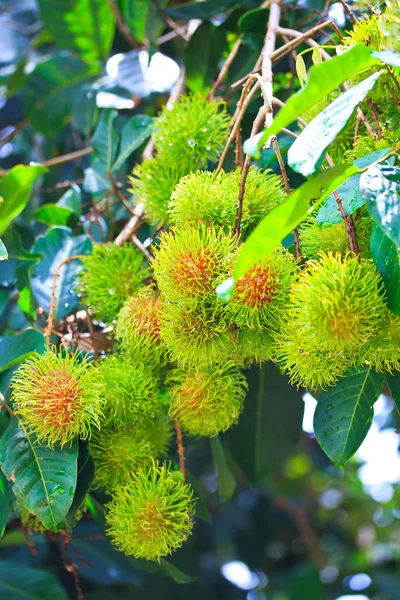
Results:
<point x="315" y="238"/>
<point x="151" y="516"/>
<point x="153" y="181"/>
<point x="194" y="130"/>
<point x="337" y="303"/>
<point x="58" y="397"/>
<point x="118" y="452"/>
<point x="130" y="389"/>
<point x="196" y="333"/>
<point x="138" y="327"/>
<point x="206" y="401"/>
<point x="191" y="261"/>
<point x="256" y="345"/>
<point x="262" y="294"/>
<point x="212" y="198"/>
<point x="383" y="352"/>
<point x="110" y="276"/>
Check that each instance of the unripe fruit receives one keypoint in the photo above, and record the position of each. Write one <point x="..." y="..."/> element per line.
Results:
<point x="120" y="451"/>
<point x="58" y="397"/>
<point x="151" y="516"/>
<point x="383" y="352"/>
<point x="138" y="327"/>
<point x="195" y="130"/>
<point x="206" y="401"/>
<point x="130" y="390"/>
<point x="110" y="276"/>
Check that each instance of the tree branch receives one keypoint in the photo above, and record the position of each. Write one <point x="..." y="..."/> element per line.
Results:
<point x="123" y="27"/>
<point x="181" y="450"/>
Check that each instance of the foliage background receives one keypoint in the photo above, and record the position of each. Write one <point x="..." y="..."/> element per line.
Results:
<point x="304" y="529"/>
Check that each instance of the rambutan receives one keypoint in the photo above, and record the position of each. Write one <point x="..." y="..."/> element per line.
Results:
<point x="130" y="389"/>
<point x="109" y="277"/>
<point x="383" y="351"/>
<point x="206" y="401"/>
<point x="118" y="452"/>
<point x="151" y="515"/>
<point x="58" y="397"/>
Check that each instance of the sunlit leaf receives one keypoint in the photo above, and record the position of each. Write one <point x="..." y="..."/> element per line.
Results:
<point x="380" y="186"/>
<point x="386" y="256"/>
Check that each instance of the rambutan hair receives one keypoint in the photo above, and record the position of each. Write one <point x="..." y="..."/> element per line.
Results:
<point x="151" y="515"/>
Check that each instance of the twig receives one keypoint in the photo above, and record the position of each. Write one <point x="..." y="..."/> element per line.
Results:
<point x="122" y="26"/>
<point x="170" y="22"/>
<point x="50" y="320"/>
<point x="119" y="195"/>
<point x="59" y="160"/>
<point x="296" y="34"/>
<point x="132" y="225"/>
<point x="5" y="405"/>
<point x="181" y="450"/>
<point x="69" y="565"/>
<point x="225" y="67"/>
<point x="357" y="129"/>
<point x="347" y="9"/>
<point x="17" y="129"/>
<point x="374" y="110"/>
<point x="142" y="249"/>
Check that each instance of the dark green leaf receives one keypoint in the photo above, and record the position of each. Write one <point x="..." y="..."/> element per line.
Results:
<point x="16" y="349"/>
<point x="50" y="90"/>
<point x="44" y="479"/>
<point x="308" y="150"/>
<point x="6" y="501"/>
<point x="284" y="218"/>
<point x="135" y="15"/>
<point x="225" y="480"/>
<point x="176" y="574"/>
<point x="349" y="192"/>
<point x="60" y="213"/>
<point x="386" y="257"/>
<point x="105" y="140"/>
<point x="305" y="582"/>
<point x="201" y="494"/>
<point x="84" y="109"/>
<point x="393" y="381"/>
<point x="84" y="481"/>
<point x="208" y="41"/>
<point x="86" y="27"/>
<point x="57" y="245"/>
<point x="202" y="10"/>
<point x="15" y="190"/>
<point x="344" y="413"/>
<point x="3" y="251"/>
<point x="270" y="424"/>
<point x="383" y="199"/>
<point x="135" y="132"/>
<point x="96" y="180"/>
<point x="72" y="199"/>
<point x="323" y="79"/>
<point x="20" y="582"/>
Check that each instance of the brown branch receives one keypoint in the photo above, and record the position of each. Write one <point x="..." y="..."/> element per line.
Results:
<point x="132" y="225"/>
<point x="225" y="68"/>
<point x="5" y="405"/>
<point x="123" y="27"/>
<point x="68" y="564"/>
<point x="347" y="9"/>
<point x="181" y="450"/>
<point x="17" y="129"/>
<point x="59" y="160"/>
<point x="119" y="194"/>
<point x="141" y="247"/>
<point x="374" y="112"/>
<point x="170" y="22"/>
<point x="50" y="320"/>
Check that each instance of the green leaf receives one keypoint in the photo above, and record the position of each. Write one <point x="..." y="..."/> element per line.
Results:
<point x="386" y="257"/>
<point x="135" y="15"/>
<point x="176" y="574"/>
<point x="6" y="501"/>
<point x="84" y="481"/>
<point x="393" y="381"/>
<point x="59" y="214"/>
<point x="50" y="91"/>
<point x="202" y="10"/>
<point x="3" y="251"/>
<point x="349" y="192"/>
<point x="44" y="479"/>
<point x="305" y="582"/>
<point x="323" y="79"/>
<point x="270" y="424"/>
<point x="84" y="109"/>
<point x="307" y="152"/>
<point x="380" y="186"/>
<point x="15" y="190"/>
<point x="388" y="57"/>
<point x="316" y="56"/>
<point x="208" y="41"/>
<point x="57" y="245"/>
<point x="135" y="132"/>
<point x="105" y="140"/>
<point x="225" y="480"/>
<point x="20" y="582"/>
<point x="344" y="413"/>
<point x="72" y="199"/>
<point x="284" y="218"/>
<point x="301" y="70"/>
<point x="17" y="348"/>
<point x="83" y="26"/>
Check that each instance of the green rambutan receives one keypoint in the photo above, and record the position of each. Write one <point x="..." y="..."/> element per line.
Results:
<point x="337" y="303"/>
<point x="197" y="334"/>
<point x="130" y="389"/>
<point x="138" y="327"/>
<point x="151" y="516"/>
<point x="153" y="181"/>
<point x="383" y="352"/>
<point x="262" y="294"/>
<point x="194" y="130"/>
<point x="118" y="452"/>
<point x="315" y="238"/>
<point x="58" y="397"/>
<point x="110" y="276"/>
<point x="191" y="261"/>
<point x="212" y="198"/>
<point x="256" y="345"/>
<point x="206" y="401"/>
